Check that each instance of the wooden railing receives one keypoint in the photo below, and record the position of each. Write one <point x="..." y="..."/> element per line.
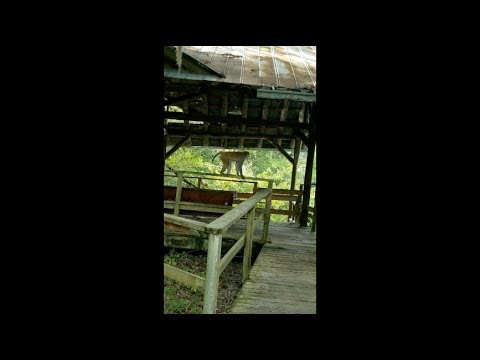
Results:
<point x="215" y="230"/>
<point x="278" y="195"/>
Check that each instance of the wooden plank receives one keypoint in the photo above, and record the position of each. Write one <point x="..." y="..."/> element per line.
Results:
<point x="187" y="205"/>
<point x="184" y="277"/>
<point x="227" y="258"/>
<point x="212" y="274"/>
<point x="192" y="224"/>
<point x="247" y="179"/>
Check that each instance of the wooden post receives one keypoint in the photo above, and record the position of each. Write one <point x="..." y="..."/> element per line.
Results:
<point x="247" y="250"/>
<point x="309" y="167"/>
<point x="314" y="215"/>
<point x="266" y="218"/>
<point x="296" y="155"/>
<point x="212" y="275"/>
<point x="178" y="195"/>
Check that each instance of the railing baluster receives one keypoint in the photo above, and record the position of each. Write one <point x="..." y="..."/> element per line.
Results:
<point x="178" y="194"/>
<point x="247" y="251"/>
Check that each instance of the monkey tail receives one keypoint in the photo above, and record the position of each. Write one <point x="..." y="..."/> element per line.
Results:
<point x="214" y="156"/>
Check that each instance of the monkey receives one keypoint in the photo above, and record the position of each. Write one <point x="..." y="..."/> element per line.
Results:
<point x="227" y="157"/>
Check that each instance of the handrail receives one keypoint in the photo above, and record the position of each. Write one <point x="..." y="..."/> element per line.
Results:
<point x="223" y="175"/>
<point x="215" y="263"/>
<point x="221" y="224"/>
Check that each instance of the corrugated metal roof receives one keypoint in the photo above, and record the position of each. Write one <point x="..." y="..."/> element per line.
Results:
<point x="288" y="67"/>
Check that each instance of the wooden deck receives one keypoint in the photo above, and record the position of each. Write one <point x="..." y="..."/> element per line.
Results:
<point x="283" y="277"/>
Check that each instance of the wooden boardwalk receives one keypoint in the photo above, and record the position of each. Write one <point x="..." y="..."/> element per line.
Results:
<point x="283" y="277"/>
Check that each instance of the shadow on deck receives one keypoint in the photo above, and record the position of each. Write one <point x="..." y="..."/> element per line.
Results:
<point x="283" y="277"/>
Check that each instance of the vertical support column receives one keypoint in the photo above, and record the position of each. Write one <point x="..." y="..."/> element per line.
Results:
<point x="178" y="195"/>
<point x="314" y="219"/>
<point x="309" y="167"/>
<point x="212" y="275"/>
<point x="296" y="155"/>
<point x="247" y="250"/>
<point x="266" y="216"/>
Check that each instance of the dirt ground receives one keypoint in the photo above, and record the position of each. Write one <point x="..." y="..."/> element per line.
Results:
<point x="180" y="299"/>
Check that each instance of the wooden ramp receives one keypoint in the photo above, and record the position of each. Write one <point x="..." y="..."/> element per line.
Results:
<point x="283" y="277"/>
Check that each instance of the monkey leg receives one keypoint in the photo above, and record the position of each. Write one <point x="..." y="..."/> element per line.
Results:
<point x="224" y="168"/>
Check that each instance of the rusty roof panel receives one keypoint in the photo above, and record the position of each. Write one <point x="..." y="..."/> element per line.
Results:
<point x="250" y="66"/>
<point x="290" y="67"/>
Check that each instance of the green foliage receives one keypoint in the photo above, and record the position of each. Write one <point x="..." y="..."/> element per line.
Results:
<point x="264" y="164"/>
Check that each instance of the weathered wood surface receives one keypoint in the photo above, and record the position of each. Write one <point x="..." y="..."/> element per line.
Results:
<point x="283" y="277"/>
<point x="184" y="277"/>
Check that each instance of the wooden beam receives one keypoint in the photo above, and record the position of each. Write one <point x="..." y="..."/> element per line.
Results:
<point x="182" y="98"/>
<point x="227" y="258"/>
<point x="301" y="136"/>
<point x="182" y="133"/>
<point x="234" y="120"/>
<point x="266" y="106"/>
<point x="242" y="126"/>
<point x="177" y="145"/>
<point x="283" y="116"/>
<point x="284" y="153"/>
<point x="192" y="224"/>
<point x="184" y="277"/>
<point x="309" y="169"/>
